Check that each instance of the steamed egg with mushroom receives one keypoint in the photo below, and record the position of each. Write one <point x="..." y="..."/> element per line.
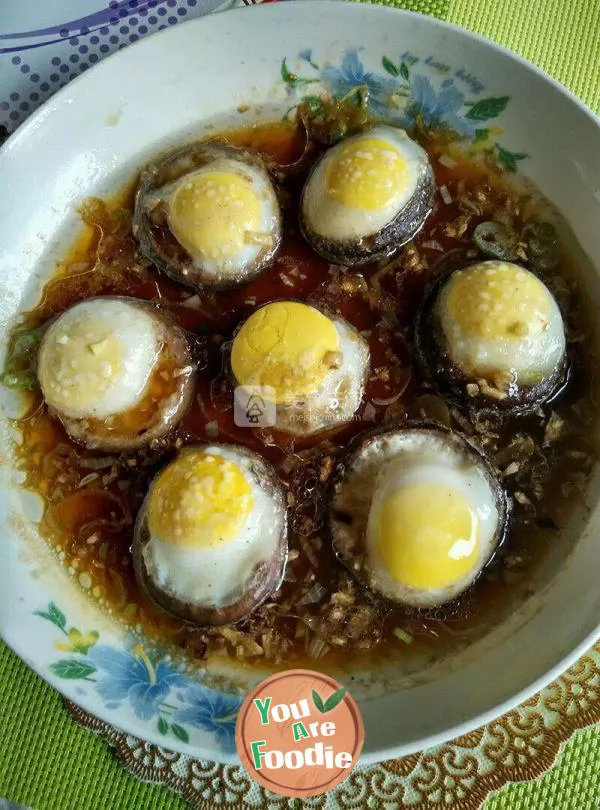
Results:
<point x="208" y="216"/>
<point x="366" y="196"/>
<point x="310" y="366"/>
<point x="116" y="371"/>
<point x="417" y="513"/>
<point x="210" y="540"/>
<point x="493" y="333"/>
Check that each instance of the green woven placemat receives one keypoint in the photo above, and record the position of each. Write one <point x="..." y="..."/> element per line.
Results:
<point x="49" y="763"/>
<point x="561" y="36"/>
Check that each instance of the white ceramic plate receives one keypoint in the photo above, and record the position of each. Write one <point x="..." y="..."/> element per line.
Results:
<point x="87" y="140"/>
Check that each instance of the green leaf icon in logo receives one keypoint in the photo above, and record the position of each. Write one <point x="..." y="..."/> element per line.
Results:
<point x="317" y="701"/>
<point x="332" y="701"/>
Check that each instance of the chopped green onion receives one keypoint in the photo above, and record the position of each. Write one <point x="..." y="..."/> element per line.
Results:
<point x="330" y="121"/>
<point x="542" y="245"/>
<point x="24" y="380"/>
<point x="25" y="342"/>
<point x="96" y="348"/>
<point x="18" y="372"/>
<point x="403" y="635"/>
<point x="495" y="240"/>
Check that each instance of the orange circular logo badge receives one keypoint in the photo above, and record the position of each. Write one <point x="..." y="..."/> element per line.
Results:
<point x="299" y="733"/>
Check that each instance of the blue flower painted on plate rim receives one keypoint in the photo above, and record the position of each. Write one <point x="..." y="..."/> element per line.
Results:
<point x="144" y="679"/>
<point x="402" y="95"/>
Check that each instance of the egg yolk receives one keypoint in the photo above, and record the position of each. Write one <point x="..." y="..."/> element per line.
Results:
<point x="427" y="535"/>
<point x="81" y="365"/>
<point x="287" y="346"/>
<point x="214" y="214"/>
<point x="199" y="501"/>
<point x="367" y="174"/>
<point x="499" y="300"/>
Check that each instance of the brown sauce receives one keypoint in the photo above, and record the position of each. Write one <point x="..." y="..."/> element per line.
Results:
<point x="91" y="500"/>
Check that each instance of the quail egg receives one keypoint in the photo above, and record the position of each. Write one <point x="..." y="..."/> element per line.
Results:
<point x="366" y="196"/>
<point x="116" y="371"/>
<point x="417" y="512"/>
<point x="310" y="366"/>
<point x="208" y="216"/>
<point x="492" y="335"/>
<point x="210" y="540"/>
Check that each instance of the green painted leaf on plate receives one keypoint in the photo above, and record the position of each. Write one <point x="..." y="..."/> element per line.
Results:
<point x="291" y="79"/>
<point x="487" y="108"/>
<point x="163" y="726"/>
<point x="285" y="73"/>
<point x="72" y="670"/>
<point x="53" y="615"/>
<point x="180" y="732"/>
<point x="509" y="160"/>
<point x="404" y="71"/>
<point x="389" y="66"/>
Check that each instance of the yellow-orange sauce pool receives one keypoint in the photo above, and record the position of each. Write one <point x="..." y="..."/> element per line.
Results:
<point x="91" y="501"/>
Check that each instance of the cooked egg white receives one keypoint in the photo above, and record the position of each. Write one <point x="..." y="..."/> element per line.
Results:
<point x="431" y="525"/>
<point x="224" y="214"/>
<point x="423" y="515"/>
<point x="311" y="366"/>
<point x="95" y="360"/>
<point x="210" y="524"/>
<point x="360" y="185"/>
<point x="498" y="318"/>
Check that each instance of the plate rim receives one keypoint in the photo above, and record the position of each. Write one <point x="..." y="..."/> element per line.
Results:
<point x="306" y="7"/>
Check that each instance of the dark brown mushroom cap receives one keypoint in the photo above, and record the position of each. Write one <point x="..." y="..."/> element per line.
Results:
<point x="451" y="380"/>
<point x="151" y="228"/>
<point x="265" y="578"/>
<point x="407" y="222"/>
<point x="155" y="415"/>
<point x="353" y="489"/>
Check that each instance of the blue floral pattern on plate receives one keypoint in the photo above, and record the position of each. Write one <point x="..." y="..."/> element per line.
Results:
<point x="411" y="100"/>
<point x="152" y="685"/>
<point x="133" y="677"/>
<point x="444" y="107"/>
<point x="351" y="74"/>
<point x="212" y="711"/>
